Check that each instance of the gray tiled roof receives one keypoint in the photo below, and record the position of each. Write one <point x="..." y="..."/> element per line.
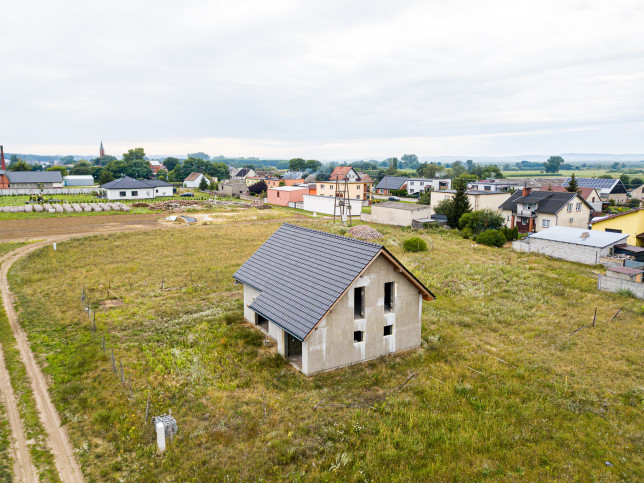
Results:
<point x="127" y="183"/>
<point x="391" y="183"/>
<point x="548" y="201"/>
<point x="34" y="177"/>
<point x="296" y="298"/>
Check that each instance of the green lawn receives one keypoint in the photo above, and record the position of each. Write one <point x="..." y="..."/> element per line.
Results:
<point x="502" y="389"/>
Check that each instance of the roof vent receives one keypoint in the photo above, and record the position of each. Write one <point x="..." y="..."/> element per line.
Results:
<point x="585" y="235"/>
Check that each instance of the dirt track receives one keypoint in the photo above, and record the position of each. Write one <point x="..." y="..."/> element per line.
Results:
<point x="51" y="229"/>
<point x="39" y="228"/>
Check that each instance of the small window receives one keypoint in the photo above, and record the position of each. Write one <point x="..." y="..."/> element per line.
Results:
<point x="578" y="207"/>
<point x="389" y="297"/>
<point x="322" y="186"/>
<point x="545" y="223"/>
<point x="569" y="206"/>
<point x="612" y="230"/>
<point x="389" y="329"/>
<point x="135" y="193"/>
<point x="358" y="336"/>
<point x="358" y="303"/>
<point x="122" y="193"/>
<point x="357" y="197"/>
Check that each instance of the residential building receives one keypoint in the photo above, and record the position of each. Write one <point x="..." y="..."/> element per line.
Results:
<point x="638" y="193"/>
<point x="354" y="301"/>
<point x="289" y="178"/>
<point x="609" y="189"/>
<point x="630" y="223"/>
<point x="193" y="180"/>
<point x="591" y="195"/>
<point x="251" y="180"/>
<point x="4" y="179"/>
<point x="155" y="166"/>
<point x="358" y="185"/>
<point x="243" y="173"/>
<point x="283" y="195"/>
<point x="127" y="188"/>
<point x="34" y="179"/>
<point x="420" y="185"/>
<point x="397" y="213"/>
<point x="232" y="187"/>
<point x="572" y="244"/>
<point x="79" y="180"/>
<point x="479" y="200"/>
<point x="532" y="211"/>
<point x="389" y="183"/>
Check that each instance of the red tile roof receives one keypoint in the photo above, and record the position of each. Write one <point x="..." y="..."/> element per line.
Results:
<point x="584" y="192"/>
<point x="339" y="172"/>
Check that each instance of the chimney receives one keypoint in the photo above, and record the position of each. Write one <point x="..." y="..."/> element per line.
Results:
<point x="526" y="191"/>
<point x="2" y="163"/>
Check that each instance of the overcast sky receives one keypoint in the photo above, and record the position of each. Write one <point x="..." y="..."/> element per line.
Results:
<point x="322" y="79"/>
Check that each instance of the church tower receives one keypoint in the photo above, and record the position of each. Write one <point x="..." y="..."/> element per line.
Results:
<point x="101" y="152"/>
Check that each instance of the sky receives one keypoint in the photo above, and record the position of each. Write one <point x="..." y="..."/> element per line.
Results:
<point x="323" y="79"/>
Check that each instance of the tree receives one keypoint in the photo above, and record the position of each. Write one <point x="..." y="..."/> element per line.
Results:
<point x="626" y="180"/>
<point x="297" y="164"/>
<point x="478" y="221"/>
<point x="425" y="198"/>
<point x="200" y="155"/>
<point x="82" y="167"/>
<point x="572" y="184"/>
<point x="136" y="154"/>
<point x="459" y="204"/>
<point x="553" y="164"/>
<point x="67" y="160"/>
<point x="428" y="170"/>
<point x="103" y="160"/>
<point x="139" y="169"/>
<point x="162" y="174"/>
<point x="313" y="165"/>
<point x="170" y="163"/>
<point x="409" y="161"/>
<point x="258" y="188"/>
<point x="117" y="168"/>
<point x="470" y="165"/>
<point x="105" y="176"/>
<point x="13" y="159"/>
<point x="62" y="169"/>
<point x="37" y="167"/>
<point x="457" y="169"/>
<point x="203" y="184"/>
<point x="19" y="165"/>
<point x="636" y="182"/>
<point x="176" y="174"/>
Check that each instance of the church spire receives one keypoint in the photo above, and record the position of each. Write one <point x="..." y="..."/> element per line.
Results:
<point x="101" y="152"/>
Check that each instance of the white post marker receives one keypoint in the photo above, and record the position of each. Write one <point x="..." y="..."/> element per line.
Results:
<point x="54" y="246"/>
<point x="160" y="436"/>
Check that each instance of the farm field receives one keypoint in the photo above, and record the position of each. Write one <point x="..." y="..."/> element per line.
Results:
<point x="500" y="388"/>
<point x="565" y="173"/>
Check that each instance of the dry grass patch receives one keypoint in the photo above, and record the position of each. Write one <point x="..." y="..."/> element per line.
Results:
<point x="501" y="388"/>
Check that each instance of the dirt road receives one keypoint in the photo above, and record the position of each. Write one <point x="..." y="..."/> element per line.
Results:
<point x="52" y="230"/>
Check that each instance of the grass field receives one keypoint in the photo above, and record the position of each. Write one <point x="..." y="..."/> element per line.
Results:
<point x="582" y="173"/>
<point x="503" y="391"/>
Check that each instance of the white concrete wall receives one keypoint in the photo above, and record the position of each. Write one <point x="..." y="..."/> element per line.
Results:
<point x="331" y="344"/>
<point x="141" y="193"/>
<point x="48" y="191"/>
<point x="561" y="250"/>
<point x="611" y="284"/>
<point x="324" y="205"/>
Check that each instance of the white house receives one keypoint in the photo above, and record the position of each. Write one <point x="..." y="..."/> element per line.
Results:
<point x="324" y="205"/>
<point x="354" y="301"/>
<point x="420" y="185"/>
<point x="194" y="180"/>
<point x="127" y="188"/>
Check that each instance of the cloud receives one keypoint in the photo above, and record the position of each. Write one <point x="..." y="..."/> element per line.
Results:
<point x="333" y="79"/>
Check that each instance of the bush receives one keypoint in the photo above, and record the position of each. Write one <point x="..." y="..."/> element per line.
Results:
<point x="510" y="233"/>
<point x="626" y="293"/>
<point x="480" y="221"/>
<point x="493" y="238"/>
<point x="415" y="244"/>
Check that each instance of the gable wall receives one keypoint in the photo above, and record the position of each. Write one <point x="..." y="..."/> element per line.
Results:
<point x="331" y="344"/>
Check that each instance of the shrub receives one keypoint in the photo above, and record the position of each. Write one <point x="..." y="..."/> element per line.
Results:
<point x="480" y="221"/>
<point x="510" y="233"/>
<point x="625" y="292"/>
<point x="415" y="244"/>
<point x="493" y="238"/>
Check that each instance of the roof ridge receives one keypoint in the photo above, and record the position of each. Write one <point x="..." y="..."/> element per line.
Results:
<point x="334" y="235"/>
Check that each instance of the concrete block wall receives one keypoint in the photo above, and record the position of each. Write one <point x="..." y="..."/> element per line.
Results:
<point x="563" y="251"/>
<point x="612" y="284"/>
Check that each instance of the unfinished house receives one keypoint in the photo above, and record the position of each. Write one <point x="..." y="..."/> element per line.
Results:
<point x="352" y="302"/>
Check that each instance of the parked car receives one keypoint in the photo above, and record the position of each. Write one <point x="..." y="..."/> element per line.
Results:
<point x="188" y="194"/>
<point x="394" y="198"/>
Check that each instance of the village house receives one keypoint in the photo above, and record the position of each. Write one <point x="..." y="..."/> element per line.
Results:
<point x="127" y="188"/>
<point x="34" y="179"/>
<point x="242" y="173"/>
<point x="572" y="244"/>
<point x="358" y="185"/>
<point x="232" y="187"/>
<point x="389" y="183"/>
<point x="591" y="195"/>
<point x="155" y="166"/>
<point x="609" y="189"/>
<point x="283" y="195"/>
<point x="638" y="193"/>
<point x="630" y="223"/>
<point x="532" y="211"/>
<point x="193" y="180"/>
<point x="420" y="185"/>
<point x="289" y="178"/>
<point x="479" y="200"/>
<point x="354" y="301"/>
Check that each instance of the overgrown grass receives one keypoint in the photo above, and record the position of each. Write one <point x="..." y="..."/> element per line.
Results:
<point x="6" y="461"/>
<point x="502" y="390"/>
<point x="34" y="432"/>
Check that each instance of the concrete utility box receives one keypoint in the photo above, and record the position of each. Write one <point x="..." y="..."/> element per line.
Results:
<point x="169" y="423"/>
